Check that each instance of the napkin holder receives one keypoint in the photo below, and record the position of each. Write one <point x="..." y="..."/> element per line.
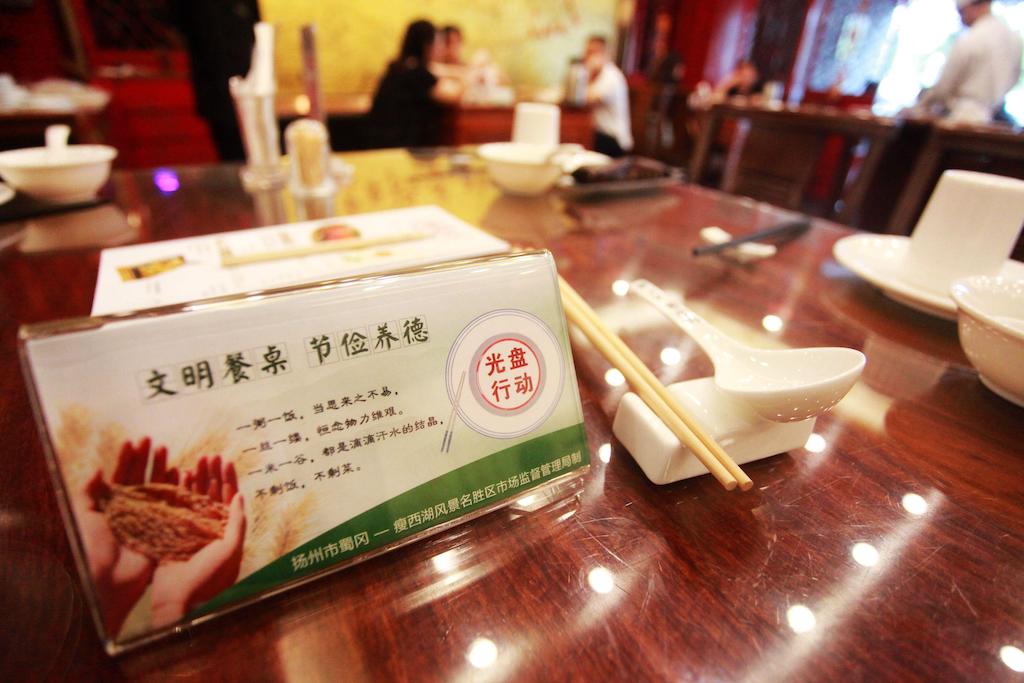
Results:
<point x="254" y="99"/>
<point x="743" y="434"/>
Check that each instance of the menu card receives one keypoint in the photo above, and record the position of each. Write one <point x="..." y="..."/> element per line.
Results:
<point x="177" y="271"/>
<point x="207" y="458"/>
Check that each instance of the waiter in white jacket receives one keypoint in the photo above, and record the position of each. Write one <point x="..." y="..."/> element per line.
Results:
<point x="983" y="65"/>
<point x="608" y="96"/>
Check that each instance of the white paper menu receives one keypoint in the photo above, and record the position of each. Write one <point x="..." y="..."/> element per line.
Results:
<point x="177" y="271"/>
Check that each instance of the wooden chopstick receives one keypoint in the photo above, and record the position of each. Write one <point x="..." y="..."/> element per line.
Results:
<point x="228" y="259"/>
<point x="653" y="392"/>
<point x="691" y="423"/>
<point x="788" y="229"/>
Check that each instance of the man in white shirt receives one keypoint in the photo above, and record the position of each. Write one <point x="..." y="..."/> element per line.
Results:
<point x="608" y="95"/>
<point x="982" y="67"/>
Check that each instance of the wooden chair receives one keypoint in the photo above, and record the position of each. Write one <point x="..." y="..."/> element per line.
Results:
<point x="774" y="158"/>
<point x="659" y="113"/>
<point x="772" y="163"/>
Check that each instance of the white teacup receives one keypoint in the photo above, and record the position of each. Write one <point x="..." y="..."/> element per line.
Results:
<point x="968" y="227"/>
<point x="536" y="123"/>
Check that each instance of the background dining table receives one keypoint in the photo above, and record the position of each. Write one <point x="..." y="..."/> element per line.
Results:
<point x="889" y="547"/>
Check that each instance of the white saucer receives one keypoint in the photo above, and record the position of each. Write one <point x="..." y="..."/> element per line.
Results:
<point x="1002" y="391"/>
<point x="6" y="193"/>
<point x="879" y="260"/>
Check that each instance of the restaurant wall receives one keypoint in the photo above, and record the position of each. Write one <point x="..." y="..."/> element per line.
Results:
<point x="811" y="44"/>
<point x="852" y="47"/>
<point x="712" y="36"/>
<point x="532" y="40"/>
<point x="780" y="26"/>
<point x="32" y="44"/>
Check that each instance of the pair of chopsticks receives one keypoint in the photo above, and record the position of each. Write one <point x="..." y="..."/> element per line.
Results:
<point x="229" y="259"/>
<point x="653" y="392"/>
<point x="787" y="229"/>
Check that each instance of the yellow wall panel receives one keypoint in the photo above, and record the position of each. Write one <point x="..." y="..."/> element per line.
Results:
<point x="532" y="40"/>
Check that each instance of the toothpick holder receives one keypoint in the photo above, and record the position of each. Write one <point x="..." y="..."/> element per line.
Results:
<point x="743" y="434"/>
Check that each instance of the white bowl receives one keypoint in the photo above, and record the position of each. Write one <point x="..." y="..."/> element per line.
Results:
<point x="75" y="173"/>
<point x="990" y="317"/>
<point x="521" y="168"/>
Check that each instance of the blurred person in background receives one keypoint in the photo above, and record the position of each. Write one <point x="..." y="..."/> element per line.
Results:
<point x="480" y="76"/>
<point x="407" y="106"/>
<point x="745" y="81"/>
<point x="219" y="36"/>
<point x="983" y="65"/>
<point x="667" y="66"/>
<point x="664" y="75"/>
<point x="446" y="61"/>
<point x="608" y="95"/>
<point x="451" y="45"/>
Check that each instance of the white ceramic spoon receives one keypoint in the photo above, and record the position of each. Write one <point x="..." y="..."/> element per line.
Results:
<point x="780" y="385"/>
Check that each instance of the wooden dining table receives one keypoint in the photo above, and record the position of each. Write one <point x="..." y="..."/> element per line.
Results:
<point x="889" y="547"/>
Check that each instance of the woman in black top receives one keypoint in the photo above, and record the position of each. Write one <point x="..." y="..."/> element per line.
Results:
<point x="407" y="108"/>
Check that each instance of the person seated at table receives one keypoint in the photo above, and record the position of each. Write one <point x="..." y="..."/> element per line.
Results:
<point x="664" y="76"/>
<point x="451" y="45"/>
<point x="481" y="76"/>
<point x="743" y="81"/>
<point x="407" y="106"/>
<point x="446" y="61"/>
<point x="608" y="95"/>
<point x="983" y="65"/>
<point x="667" y="67"/>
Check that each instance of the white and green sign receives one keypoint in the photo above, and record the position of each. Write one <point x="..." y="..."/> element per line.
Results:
<point x="210" y="456"/>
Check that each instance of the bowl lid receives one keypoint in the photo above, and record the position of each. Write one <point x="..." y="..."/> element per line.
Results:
<point x="42" y="157"/>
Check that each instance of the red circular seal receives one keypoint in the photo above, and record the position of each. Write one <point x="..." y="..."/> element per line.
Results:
<point x="508" y="374"/>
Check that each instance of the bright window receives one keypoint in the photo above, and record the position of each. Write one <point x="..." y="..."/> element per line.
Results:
<point x="921" y="34"/>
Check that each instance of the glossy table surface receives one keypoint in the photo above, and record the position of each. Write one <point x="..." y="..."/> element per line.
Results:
<point x="889" y="548"/>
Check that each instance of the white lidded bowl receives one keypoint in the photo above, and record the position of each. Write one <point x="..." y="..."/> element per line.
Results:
<point x="74" y="173"/>
<point x="990" y="318"/>
<point x="521" y="168"/>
